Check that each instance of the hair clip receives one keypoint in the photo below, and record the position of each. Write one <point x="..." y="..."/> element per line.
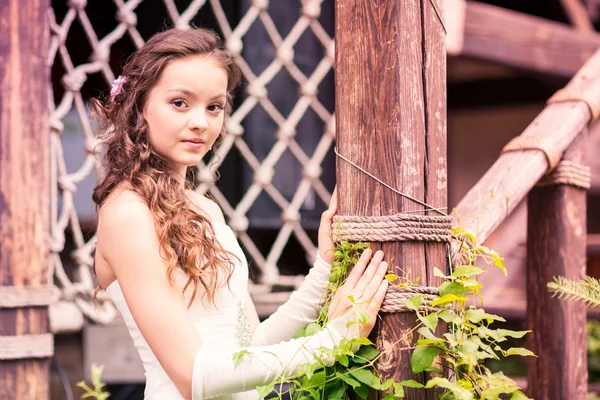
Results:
<point x="117" y="86"/>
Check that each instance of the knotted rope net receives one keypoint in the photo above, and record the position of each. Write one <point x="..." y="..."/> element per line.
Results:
<point x="72" y="244"/>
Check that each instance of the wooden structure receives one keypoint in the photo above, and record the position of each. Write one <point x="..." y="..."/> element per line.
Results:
<point x="25" y="344"/>
<point x="399" y="43"/>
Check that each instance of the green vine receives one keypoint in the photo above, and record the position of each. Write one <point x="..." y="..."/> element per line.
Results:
<point x="97" y="392"/>
<point x="463" y="349"/>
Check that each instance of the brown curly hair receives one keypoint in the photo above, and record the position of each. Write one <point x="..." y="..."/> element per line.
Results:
<point x="186" y="237"/>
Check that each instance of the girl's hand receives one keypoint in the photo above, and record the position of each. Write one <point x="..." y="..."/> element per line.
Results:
<point x="366" y="287"/>
<point x="326" y="244"/>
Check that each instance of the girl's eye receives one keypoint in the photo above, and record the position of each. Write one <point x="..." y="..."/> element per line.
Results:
<point x="179" y="103"/>
<point x="215" y="108"/>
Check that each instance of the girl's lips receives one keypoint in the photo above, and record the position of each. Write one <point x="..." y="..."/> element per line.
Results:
<point x="195" y="143"/>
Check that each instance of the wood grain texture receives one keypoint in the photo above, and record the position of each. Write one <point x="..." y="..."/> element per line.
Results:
<point x="24" y="183"/>
<point x="512" y="176"/>
<point x="556" y="245"/>
<point x="524" y="41"/>
<point x="391" y="121"/>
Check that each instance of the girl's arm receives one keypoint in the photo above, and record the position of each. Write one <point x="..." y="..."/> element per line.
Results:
<point x="130" y="245"/>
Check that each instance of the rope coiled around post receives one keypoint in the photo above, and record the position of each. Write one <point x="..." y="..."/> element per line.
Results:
<point x="568" y="173"/>
<point x="395" y="297"/>
<point x="397" y="228"/>
<point x="392" y="228"/>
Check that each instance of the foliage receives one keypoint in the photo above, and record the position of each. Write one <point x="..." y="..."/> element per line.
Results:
<point x="97" y="392"/>
<point x="593" y="350"/>
<point x="586" y="291"/>
<point x="470" y="339"/>
<point x="463" y="350"/>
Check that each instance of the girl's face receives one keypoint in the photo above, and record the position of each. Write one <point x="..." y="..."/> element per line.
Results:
<point x="185" y="110"/>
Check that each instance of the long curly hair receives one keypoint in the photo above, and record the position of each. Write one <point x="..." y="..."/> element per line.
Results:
<point x="187" y="238"/>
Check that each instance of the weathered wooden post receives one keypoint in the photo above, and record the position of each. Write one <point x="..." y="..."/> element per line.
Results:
<point x="25" y="344"/>
<point x="556" y="245"/>
<point x="391" y="121"/>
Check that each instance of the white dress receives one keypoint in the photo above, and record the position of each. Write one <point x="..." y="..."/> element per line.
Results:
<point x="219" y="325"/>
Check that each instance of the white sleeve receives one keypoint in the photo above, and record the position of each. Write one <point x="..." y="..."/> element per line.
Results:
<point x="301" y="309"/>
<point x="215" y="373"/>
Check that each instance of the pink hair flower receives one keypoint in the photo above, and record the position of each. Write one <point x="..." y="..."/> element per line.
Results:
<point x="117" y="86"/>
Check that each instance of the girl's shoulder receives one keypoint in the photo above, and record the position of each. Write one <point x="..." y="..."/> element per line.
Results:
<point x="206" y="206"/>
<point x="123" y="201"/>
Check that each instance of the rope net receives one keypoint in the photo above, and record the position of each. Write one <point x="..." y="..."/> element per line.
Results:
<point x="72" y="267"/>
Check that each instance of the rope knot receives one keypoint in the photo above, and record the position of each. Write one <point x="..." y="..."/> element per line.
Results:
<point x="238" y="223"/>
<point x="311" y="9"/>
<point x="79" y="5"/>
<point x="74" y="80"/>
<point x="126" y="16"/>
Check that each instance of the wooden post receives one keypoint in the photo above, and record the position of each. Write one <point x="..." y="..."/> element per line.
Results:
<point x="391" y="121"/>
<point x="24" y="199"/>
<point x="556" y="245"/>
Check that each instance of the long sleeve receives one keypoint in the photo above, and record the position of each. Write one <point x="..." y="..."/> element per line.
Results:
<point x="301" y="309"/>
<point x="215" y="373"/>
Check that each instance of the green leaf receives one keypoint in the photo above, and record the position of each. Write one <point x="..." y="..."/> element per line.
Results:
<point x="447" y="299"/>
<point x="366" y="376"/>
<point x="349" y="380"/>
<point x="336" y="390"/>
<point x="414" y="302"/>
<point x="477" y="314"/>
<point x="437" y="272"/>
<point x="312" y="329"/>
<point x="361" y="341"/>
<point x="459" y="392"/>
<point x="367" y="352"/>
<point x="518" y="351"/>
<point x="453" y="288"/>
<point x="422" y="357"/>
<point x="309" y="370"/>
<point x="447" y="316"/>
<point x="300" y="333"/>
<point x="391" y="278"/>
<point x="432" y="320"/>
<point x="467" y="270"/>
<point x="263" y="391"/>
<point x="518" y="395"/>
<point x="387" y="384"/>
<point x="362" y="391"/>
<point x="514" y="334"/>
<point x="318" y="378"/>
<point x="434" y="370"/>
<point x="343" y="359"/>
<point x="239" y="357"/>
<point x="412" y="384"/>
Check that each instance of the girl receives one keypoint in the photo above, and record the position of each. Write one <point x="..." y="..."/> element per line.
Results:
<point x="167" y="259"/>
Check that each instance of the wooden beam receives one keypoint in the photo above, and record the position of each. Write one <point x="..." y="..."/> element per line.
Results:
<point x="556" y="246"/>
<point x="24" y="194"/>
<point x="514" y="174"/>
<point x="577" y="15"/>
<point x="391" y="121"/>
<point x="517" y="40"/>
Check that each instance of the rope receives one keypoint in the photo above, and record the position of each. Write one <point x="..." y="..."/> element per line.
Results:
<point x="580" y="92"/>
<point x="27" y="296"/>
<point x="26" y="346"/>
<point x="395" y="297"/>
<point x="540" y="143"/>
<point x="568" y="173"/>
<point x="392" y="228"/>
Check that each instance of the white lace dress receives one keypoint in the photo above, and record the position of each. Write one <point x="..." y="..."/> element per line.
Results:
<point x="222" y="325"/>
